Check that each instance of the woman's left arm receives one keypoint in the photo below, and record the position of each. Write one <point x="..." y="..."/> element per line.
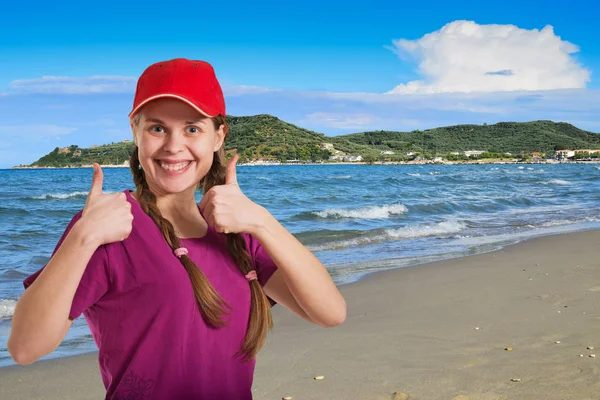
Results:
<point x="301" y="282"/>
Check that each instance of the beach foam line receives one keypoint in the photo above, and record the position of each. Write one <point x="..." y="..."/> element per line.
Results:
<point x="7" y="308"/>
<point x="369" y="212"/>
<point x="61" y="196"/>
<point x="389" y="235"/>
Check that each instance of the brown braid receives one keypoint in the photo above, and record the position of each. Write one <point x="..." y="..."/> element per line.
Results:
<point x="209" y="302"/>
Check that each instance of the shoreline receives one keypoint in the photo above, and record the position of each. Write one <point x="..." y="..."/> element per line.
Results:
<point x="408" y="163"/>
<point x="413" y="330"/>
<point x="393" y="265"/>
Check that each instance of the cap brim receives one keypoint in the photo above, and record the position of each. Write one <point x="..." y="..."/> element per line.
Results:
<point x="172" y="96"/>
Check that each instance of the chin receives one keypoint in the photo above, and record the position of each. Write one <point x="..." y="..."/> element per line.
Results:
<point x="174" y="187"/>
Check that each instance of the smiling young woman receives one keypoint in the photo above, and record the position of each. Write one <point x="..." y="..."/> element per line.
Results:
<point x="177" y="295"/>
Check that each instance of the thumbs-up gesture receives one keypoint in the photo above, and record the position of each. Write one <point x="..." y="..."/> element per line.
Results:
<point x="227" y="209"/>
<point x="107" y="217"/>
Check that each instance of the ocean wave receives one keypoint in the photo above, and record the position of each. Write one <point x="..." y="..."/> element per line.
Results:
<point x="60" y="196"/>
<point x="556" y="182"/>
<point x="340" y="177"/>
<point x="387" y="235"/>
<point x="7" y="308"/>
<point x="561" y="222"/>
<point x="415" y="174"/>
<point x="14" y="212"/>
<point x="370" y="212"/>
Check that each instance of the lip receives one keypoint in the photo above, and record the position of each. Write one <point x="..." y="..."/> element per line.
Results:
<point x="174" y="173"/>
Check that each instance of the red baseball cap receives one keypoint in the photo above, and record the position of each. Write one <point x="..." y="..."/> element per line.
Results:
<point x="192" y="81"/>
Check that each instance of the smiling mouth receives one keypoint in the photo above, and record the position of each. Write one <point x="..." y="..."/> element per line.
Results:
<point x="174" y="167"/>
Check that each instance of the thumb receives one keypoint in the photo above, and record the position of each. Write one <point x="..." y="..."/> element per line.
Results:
<point x="230" y="175"/>
<point x="97" y="180"/>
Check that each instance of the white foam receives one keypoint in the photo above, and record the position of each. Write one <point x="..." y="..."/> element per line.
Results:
<point x="371" y="212"/>
<point x="417" y="174"/>
<point x="556" y="182"/>
<point x="416" y="231"/>
<point x="7" y="308"/>
<point x="407" y="232"/>
<point x="49" y="196"/>
<point x="340" y="177"/>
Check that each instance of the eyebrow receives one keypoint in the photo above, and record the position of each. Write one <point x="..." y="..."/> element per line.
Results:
<point x="158" y="121"/>
<point x="155" y="120"/>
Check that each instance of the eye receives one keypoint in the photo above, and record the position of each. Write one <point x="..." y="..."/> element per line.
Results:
<point x="156" y="129"/>
<point x="193" y="130"/>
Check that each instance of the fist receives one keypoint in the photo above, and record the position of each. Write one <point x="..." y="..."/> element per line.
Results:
<point x="107" y="217"/>
<point x="227" y="209"/>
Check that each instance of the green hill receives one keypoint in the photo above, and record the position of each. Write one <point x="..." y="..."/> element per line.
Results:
<point x="269" y="138"/>
<point x="513" y="137"/>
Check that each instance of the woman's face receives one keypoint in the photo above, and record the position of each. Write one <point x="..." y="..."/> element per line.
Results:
<point x="176" y="145"/>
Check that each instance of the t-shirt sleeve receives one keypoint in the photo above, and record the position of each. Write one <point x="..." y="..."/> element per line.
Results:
<point x="264" y="265"/>
<point x="94" y="282"/>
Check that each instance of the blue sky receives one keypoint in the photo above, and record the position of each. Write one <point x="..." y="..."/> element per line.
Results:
<point x="328" y="66"/>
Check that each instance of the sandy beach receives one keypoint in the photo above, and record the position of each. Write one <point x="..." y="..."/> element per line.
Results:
<point x="435" y="331"/>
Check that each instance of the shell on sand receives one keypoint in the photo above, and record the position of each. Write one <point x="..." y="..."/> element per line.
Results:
<point x="319" y="378"/>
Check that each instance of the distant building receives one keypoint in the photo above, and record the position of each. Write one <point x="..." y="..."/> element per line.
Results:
<point x="564" y="154"/>
<point x="346" y="158"/>
<point x="475" y="153"/>
<point x="126" y="141"/>
<point x="387" y="152"/>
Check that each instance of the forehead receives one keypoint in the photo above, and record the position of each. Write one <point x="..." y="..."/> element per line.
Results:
<point x="172" y="111"/>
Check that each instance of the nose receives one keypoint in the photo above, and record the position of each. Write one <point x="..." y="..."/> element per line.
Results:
<point x="174" y="143"/>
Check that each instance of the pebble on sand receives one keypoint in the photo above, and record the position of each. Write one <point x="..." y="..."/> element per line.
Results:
<point x="319" y="378"/>
<point x="557" y="342"/>
<point x="508" y="349"/>
<point x="590" y="347"/>
<point x="516" y="380"/>
<point x="401" y="396"/>
<point x="593" y="355"/>
<point x="287" y="398"/>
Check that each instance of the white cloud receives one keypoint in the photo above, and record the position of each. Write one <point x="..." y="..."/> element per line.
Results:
<point x="102" y="84"/>
<point x="34" y="132"/>
<point x="241" y="90"/>
<point x="340" y="120"/>
<point x="74" y="85"/>
<point x="464" y="56"/>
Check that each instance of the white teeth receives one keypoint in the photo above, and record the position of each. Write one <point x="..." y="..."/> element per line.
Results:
<point x="175" y="167"/>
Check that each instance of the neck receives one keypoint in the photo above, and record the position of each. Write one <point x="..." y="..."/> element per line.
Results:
<point x="176" y="206"/>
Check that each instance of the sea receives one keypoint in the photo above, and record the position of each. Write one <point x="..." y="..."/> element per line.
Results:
<point x="357" y="219"/>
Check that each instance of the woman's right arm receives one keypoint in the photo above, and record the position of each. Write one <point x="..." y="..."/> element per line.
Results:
<point x="42" y="315"/>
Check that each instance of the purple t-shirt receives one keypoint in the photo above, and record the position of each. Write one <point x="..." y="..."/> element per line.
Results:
<point x="139" y="305"/>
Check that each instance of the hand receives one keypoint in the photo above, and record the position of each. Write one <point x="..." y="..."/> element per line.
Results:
<point x="227" y="209"/>
<point x="107" y="217"/>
